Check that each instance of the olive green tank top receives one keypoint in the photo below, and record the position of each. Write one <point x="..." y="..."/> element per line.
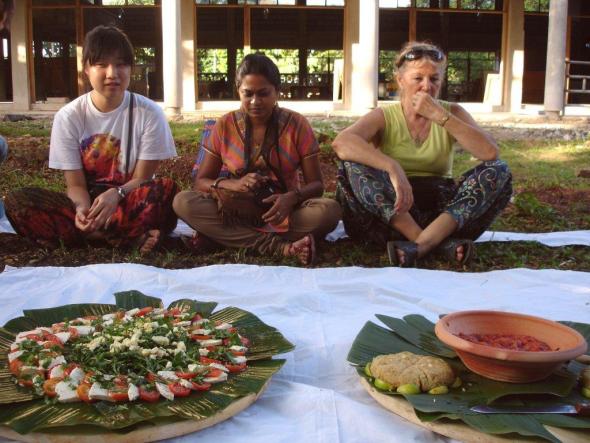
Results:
<point x="433" y="158"/>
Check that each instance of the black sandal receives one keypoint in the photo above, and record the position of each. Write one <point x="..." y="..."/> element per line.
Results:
<point x="448" y="250"/>
<point x="410" y="250"/>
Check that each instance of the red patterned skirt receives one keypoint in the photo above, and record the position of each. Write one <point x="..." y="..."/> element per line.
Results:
<point x="47" y="217"/>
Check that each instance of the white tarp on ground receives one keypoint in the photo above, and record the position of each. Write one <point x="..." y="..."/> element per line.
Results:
<point x="316" y="397"/>
<point x="550" y="238"/>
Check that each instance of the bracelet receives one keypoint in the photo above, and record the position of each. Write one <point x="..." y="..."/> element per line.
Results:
<point x="215" y="184"/>
<point x="445" y="119"/>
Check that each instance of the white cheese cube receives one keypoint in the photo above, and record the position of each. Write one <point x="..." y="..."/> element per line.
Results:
<point x="84" y="330"/>
<point x="218" y="366"/>
<point x="77" y="375"/>
<point x="132" y="312"/>
<point x="203" y="352"/>
<point x="133" y="392"/>
<point x="14" y="355"/>
<point x="238" y="348"/>
<point x="223" y="326"/>
<point x="162" y="341"/>
<point x="183" y="323"/>
<point x="57" y="361"/>
<point x="63" y="336"/>
<point x="211" y="342"/>
<point x="221" y="377"/>
<point x="239" y="359"/>
<point x="21" y="335"/>
<point x="165" y="391"/>
<point x="201" y="331"/>
<point x="66" y="393"/>
<point x="185" y="383"/>
<point x="168" y="375"/>
<point x="57" y="372"/>
<point x="96" y="392"/>
<point x="110" y="316"/>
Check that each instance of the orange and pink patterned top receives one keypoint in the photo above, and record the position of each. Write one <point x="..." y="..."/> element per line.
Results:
<point x="296" y="142"/>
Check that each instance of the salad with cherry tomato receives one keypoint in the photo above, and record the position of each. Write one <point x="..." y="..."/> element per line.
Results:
<point x="136" y="355"/>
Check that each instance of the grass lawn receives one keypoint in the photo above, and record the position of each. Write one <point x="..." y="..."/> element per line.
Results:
<point x="549" y="196"/>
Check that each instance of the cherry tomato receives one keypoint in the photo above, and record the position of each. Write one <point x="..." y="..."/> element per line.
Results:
<point x="201" y="337"/>
<point x="214" y="372"/>
<point x="119" y="395"/>
<point x="144" y="311"/>
<point x="245" y="341"/>
<point x="236" y="368"/>
<point x="49" y="386"/>
<point x="82" y="391"/>
<point x="51" y="340"/>
<point x="15" y="367"/>
<point x="238" y="353"/>
<point x="179" y="390"/>
<point x="174" y="311"/>
<point x="208" y="361"/>
<point x="186" y="375"/>
<point x="74" y="334"/>
<point x="196" y="317"/>
<point x="201" y="386"/>
<point x="150" y="395"/>
<point x="151" y="377"/>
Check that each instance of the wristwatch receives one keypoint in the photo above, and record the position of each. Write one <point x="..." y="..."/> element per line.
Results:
<point x="122" y="192"/>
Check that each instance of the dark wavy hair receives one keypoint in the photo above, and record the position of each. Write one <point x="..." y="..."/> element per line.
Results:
<point x="104" y="41"/>
<point x="259" y="64"/>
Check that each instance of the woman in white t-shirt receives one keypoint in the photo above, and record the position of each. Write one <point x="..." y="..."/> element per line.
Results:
<point x="109" y="144"/>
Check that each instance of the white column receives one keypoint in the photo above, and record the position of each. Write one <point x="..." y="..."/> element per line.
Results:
<point x="187" y="56"/>
<point x="171" y="57"/>
<point x="513" y="56"/>
<point x="20" y="59"/>
<point x="361" y="51"/>
<point x="555" y="69"/>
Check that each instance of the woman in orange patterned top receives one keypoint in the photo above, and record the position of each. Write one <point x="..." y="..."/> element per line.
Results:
<point x="259" y="203"/>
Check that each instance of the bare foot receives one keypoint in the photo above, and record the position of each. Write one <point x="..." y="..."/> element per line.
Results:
<point x="303" y="249"/>
<point x="150" y="240"/>
<point x="459" y="253"/>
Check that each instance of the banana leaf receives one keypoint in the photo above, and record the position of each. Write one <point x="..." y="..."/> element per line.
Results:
<point x="415" y="334"/>
<point x="23" y="412"/>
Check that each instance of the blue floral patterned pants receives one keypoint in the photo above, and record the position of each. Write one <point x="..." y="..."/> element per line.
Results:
<point x="367" y="198"/>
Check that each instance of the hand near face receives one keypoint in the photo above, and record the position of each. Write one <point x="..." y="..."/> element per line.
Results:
<point x="426" y="106"/>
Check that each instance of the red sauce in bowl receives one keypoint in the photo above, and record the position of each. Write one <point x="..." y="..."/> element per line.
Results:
<point x="507" y="341"/>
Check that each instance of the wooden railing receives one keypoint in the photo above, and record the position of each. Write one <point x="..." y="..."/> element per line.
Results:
<point x="576" y="78"/>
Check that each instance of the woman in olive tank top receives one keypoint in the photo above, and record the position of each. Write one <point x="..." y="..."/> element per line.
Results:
<point x="395" y="181"/>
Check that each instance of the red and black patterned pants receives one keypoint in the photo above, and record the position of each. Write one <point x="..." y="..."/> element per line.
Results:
<point x="48" y="216"/>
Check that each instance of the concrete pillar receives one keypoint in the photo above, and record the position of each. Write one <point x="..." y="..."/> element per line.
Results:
<point x="361" y="51"/>
<point x="555" y="70"/>
<point x="187" y="55"/>
<point x="171" y="68"/>
<point x="512" y="65"/>
<point x="21" y="58"/>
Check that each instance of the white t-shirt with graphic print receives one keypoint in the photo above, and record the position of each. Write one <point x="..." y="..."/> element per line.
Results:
<point x="80" y="129"/>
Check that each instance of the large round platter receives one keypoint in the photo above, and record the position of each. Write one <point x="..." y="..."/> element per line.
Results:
<point x="24" y="417"/>
<point x="458" y="430"/>
<point x="450" y="414"/>
<point x="145" y="433"/>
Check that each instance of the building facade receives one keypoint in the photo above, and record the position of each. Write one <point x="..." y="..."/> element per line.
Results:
<point x="332" y="54"/>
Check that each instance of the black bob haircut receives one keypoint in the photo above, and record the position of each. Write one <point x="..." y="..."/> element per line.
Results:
<point x="106" y="41"/>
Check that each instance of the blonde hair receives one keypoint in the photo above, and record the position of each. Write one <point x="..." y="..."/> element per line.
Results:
<point x="428" y="50"/>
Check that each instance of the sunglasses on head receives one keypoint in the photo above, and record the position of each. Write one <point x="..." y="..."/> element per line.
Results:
<point x="418" y="53"/>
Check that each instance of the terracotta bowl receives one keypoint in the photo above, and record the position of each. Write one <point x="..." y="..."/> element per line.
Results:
<point x="504" y="364"/>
